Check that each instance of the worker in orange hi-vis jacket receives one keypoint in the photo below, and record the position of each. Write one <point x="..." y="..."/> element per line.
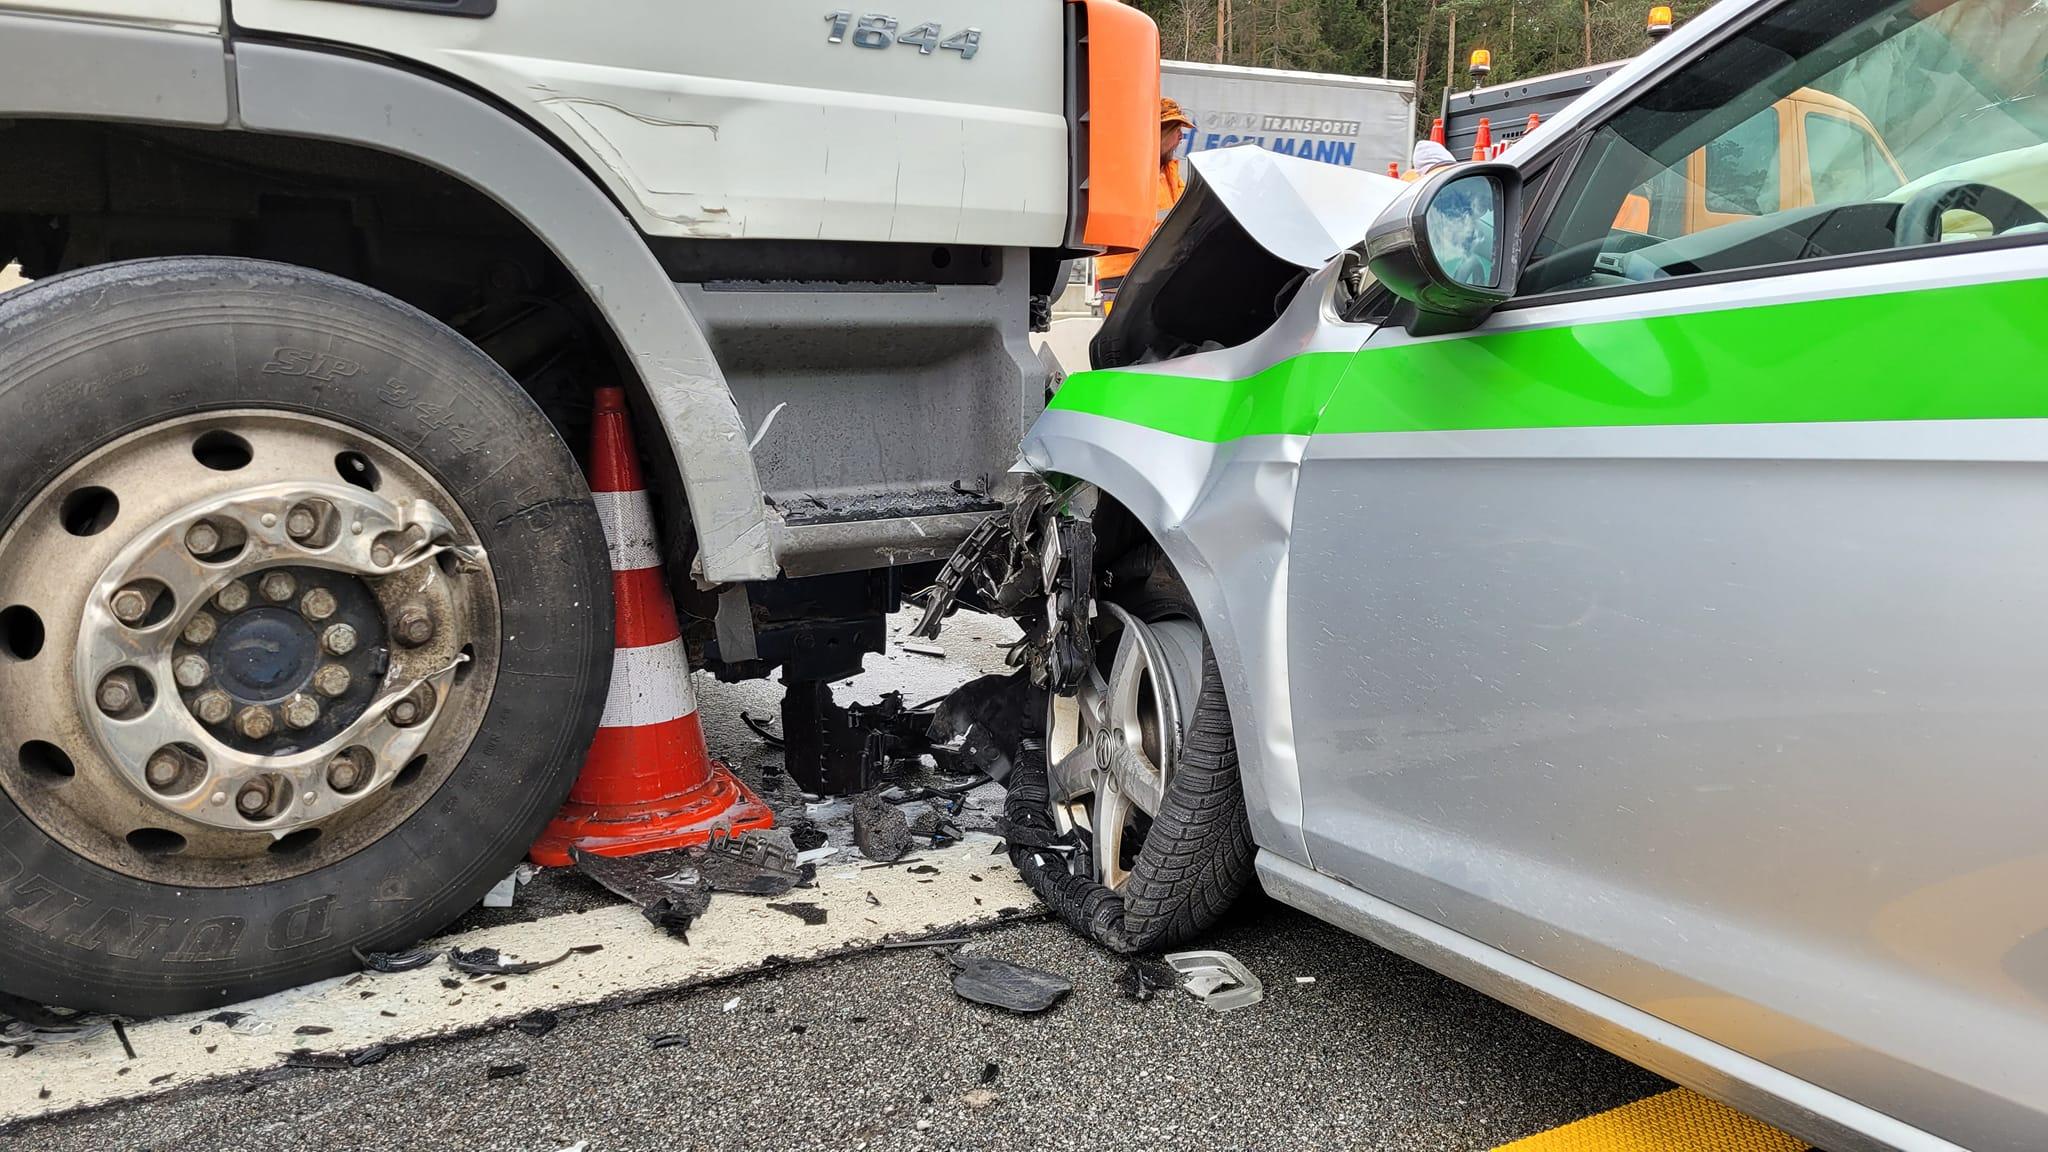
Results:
<point x="1174" y="125"/>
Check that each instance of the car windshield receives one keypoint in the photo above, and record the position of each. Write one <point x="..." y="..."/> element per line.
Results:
<point x="1812" y="133"/>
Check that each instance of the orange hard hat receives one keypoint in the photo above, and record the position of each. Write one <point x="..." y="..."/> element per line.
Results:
<point x="1170" y="114"/>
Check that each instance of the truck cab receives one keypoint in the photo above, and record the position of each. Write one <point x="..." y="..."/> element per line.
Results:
<point x="388" y="254"/>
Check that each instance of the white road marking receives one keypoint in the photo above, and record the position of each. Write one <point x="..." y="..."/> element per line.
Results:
<point x="738" y="935"/>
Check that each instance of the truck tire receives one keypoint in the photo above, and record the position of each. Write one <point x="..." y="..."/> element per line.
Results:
<point x="1165" y="842"/>
<point x="305" y="624"/>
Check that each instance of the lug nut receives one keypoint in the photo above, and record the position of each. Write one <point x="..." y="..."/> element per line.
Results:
<point x="200" y="631"/>
<point x="346" y="773"/>
<point x="255" y="723"/>
<point x="339" y="640"/>
<point x="278" y="586"/>
<point x="213" y="707"/>
<point x="233" y="598"/>
<point x="318" y="604"/>
<point x="202" y="539"/>
<point x="117" y="694"/>
<point x="191" y="671"/>
<point x="381" y="555"/>
<point x="331" y="680"/>
<point x="301" y="711"/>
<point x="254" y="798"/>
<point x="408" y="712"/>
<point x="130" y="605"/>
<point x="164" y="769"/>
<point x="301" y="522"/>
<point x="414" y="626"/>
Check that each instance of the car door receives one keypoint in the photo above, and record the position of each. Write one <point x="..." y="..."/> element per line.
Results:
<point x="1680" y="628"/>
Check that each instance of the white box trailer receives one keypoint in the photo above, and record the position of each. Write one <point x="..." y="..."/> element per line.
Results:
<point x="1355" y="121"/>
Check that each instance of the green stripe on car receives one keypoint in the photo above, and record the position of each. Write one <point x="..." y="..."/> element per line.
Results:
<point x="1834" y="359"/>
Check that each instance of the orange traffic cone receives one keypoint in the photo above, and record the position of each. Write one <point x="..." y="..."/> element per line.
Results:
<point x="1394" y="169"/>
<point x="649" y="783"/>
<point x="1436" y="130"/>
<point x="1534" y="120"/>
<point x="1483" y="142"/>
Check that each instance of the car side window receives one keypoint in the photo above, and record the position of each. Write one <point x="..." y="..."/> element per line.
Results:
<point x="1742" y="167"/>
<point x="1825" y="128"/>
<point x="1844" y="164"/>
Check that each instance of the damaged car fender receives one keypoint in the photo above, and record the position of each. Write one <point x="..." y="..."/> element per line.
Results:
<point x="1204" y="452"/>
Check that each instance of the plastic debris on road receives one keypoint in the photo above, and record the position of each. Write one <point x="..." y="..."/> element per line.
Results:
<point x="1217" y="980"/>
<point x="1001" y="984"/>
<point x="879" y="828"/>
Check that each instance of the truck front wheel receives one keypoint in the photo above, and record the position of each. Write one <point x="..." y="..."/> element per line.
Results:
<point x="305" y="623"/>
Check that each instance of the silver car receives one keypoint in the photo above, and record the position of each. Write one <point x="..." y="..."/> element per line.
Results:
<point x="1606" y="576"/>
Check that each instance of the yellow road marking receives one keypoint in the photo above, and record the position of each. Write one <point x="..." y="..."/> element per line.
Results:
<point x="1676" y="1121"/>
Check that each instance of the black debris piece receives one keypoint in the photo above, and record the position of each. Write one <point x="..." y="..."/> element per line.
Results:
<point x="398" y="961"/>
<point x="1001" y="847"/>
<point x="42" y="1093"/>
<point x="488" y="962"/>
<point x="668" y="878"/>
<point x="938" y="942"/>
<point x="670" y="919"/>
<point x="388" y="1014"/>
<point x="450" y="982"/>
<point x="974" y="876"/>
<point x="166" y="1078"/>
<point x="498" y="987"/>
<point x="753" y="864"/>
<point x="123" y="1071"/>
<point x="374" y="1054"/>
<point x="760" y="728"/>
<point x="212" y="1048"/>
<point x="1141" y="980"/>
<point x="586" y="950"/>
<point x="982" y="719"/>
<point x="196" y="1029"/>
<point x="806" y="835"/>
<point x="872" y="899"/>
<point x="990" y="1072"/>
<point x="668" y="1040"/>
<point x="127" y="1046"/>
<point x="307" y="1058"/>
<point x="311" y="1030"/>
<point x="537" y="1023"/>
<point x="810" y="914"/>
<point x="935" y="827"/>
<point x="364" y="995"/>
<point x="923" y="870"/>
<point x="227" y="1019"/>
<point x="879" y="828"/>
<point x="505" y="1071"/>
<point x="1001" y="984"/>
<point x="797" y="1029"/>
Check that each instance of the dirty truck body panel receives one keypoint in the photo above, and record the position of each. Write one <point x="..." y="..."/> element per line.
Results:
<point x="1660" y="654"/>
<point x="843" y="226"/>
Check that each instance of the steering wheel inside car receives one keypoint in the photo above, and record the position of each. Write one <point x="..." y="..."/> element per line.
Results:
<point x="1919" y="220"/>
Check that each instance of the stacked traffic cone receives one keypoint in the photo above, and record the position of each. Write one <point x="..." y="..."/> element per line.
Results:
<point x="1394" y="169"/>
<point x="649" y="783"/>
<point x="1483" y="143"/>
<point x="1436" y="130"/>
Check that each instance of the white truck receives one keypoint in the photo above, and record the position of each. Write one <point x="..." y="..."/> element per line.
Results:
<point x="305" y="609"/>
<point x="1353" y="121"/>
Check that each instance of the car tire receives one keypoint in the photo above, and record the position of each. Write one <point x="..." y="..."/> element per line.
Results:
<point x="1193" y="855"/>
<point x="493" y="543"/>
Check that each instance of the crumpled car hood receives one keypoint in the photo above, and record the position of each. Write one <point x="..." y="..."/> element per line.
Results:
<point x="1302" y="211"/>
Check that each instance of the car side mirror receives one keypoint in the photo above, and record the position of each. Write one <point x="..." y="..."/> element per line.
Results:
<point x="1451" y="245"/>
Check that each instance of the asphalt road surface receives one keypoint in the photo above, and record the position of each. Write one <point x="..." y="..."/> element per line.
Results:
<point x="1353" y="1048"/>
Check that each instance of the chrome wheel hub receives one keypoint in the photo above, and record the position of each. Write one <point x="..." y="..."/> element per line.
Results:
<point x="1114" y="746"/>
<point x="253" y="627"/>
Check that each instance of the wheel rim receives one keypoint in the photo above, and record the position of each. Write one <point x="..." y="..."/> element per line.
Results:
<point x="262" y="640"/>
<point x="1114" y="746"/>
